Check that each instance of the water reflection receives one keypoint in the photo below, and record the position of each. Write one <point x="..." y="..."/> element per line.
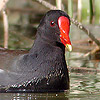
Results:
<point x="85" y="83"/>
<point x="33" y="96"/>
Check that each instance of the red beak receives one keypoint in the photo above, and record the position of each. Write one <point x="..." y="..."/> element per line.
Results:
<point x="64" y="26"/>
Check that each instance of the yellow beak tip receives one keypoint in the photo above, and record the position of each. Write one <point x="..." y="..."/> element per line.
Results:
<point x="69" y="47"/>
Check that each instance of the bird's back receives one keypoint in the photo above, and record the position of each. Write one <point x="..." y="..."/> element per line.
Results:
<point x="7" y="56"/>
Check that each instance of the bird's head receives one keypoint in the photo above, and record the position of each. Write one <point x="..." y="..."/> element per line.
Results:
<point x="55" y="26"/>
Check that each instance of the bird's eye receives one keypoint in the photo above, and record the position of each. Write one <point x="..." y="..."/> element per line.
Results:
<point x="52" y="23"/>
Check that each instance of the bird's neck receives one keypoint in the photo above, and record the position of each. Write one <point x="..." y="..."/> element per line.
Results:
<point x="40" y="43"/>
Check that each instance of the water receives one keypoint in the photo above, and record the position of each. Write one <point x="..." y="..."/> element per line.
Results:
<point x="60" y="96"/>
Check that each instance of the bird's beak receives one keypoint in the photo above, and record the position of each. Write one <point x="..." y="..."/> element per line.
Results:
<point x="64" y="26"/>
<point x="69" y="47"/>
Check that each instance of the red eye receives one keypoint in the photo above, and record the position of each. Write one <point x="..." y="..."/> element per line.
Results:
<point x="52" y="23"/>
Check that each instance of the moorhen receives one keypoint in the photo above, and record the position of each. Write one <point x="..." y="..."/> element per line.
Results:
<point x="43" y="68"/>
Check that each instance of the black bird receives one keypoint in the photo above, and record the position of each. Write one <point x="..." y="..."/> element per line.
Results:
<point x="43" y="68"/>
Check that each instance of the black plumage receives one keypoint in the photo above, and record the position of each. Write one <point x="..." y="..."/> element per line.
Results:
<point x="43" y="68"/>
